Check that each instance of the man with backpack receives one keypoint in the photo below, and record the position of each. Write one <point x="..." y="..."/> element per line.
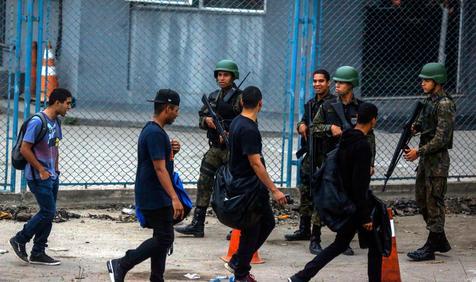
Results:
<point x="42" y="174"/>
<point x="154" y="191"/>
<point x="246" y="161"/>
<point x="353" y="161"/>
<point x="335" y="116"/>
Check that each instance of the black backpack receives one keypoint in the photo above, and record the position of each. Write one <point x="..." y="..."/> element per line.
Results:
<point x="330" y="200"/>
<point x="18" y="160"/>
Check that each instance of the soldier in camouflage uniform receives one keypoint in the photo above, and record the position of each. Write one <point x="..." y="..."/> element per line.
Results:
<point x="435" y="124"/>
<point x="328" y="125"/>
<point x="226" y="103"/>
<point x="320" y="82"/>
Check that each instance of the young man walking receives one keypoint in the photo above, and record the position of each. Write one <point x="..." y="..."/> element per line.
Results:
<point x="42" y="175"/>
<point x="154" y="192"/>
<point x="353" y="162"/>
<point x="246" y="160"/>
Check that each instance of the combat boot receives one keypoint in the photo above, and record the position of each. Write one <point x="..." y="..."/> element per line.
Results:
<point x="426" y="252"/>
<point x="197" y="226"/>
<point x="304" y="231"/>
<point x="440" y="243"/>
<point x="315" y="244"/>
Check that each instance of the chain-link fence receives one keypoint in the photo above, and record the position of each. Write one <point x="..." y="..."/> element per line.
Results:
<point x="115" y="54"/>
<point x="389" y="41"/>
<point x="6" y="83"/>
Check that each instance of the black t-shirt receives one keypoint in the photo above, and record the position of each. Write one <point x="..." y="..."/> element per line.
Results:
<point x="154" y="144"/>
<point x="245" y="140"/>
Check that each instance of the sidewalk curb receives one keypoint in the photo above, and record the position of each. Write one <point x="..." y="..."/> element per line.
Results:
<point x="102" y="198"/>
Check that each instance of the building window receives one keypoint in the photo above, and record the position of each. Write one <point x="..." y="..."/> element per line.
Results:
<point x="224" y="6"/>
<point x="245" y="6"/>
<point x="166" y="2"/>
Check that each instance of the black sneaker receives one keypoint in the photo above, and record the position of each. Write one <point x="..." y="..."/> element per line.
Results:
<point x="19" y="249"/>
<point x="348" y="251"/>
<point x="116" y="272"/>
<point x="43" y="259"/>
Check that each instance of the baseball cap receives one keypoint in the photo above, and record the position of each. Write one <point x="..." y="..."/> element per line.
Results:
<point x="166" y="96"/>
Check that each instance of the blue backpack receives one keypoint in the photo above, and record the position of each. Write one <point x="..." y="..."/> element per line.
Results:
<point x="182" y="195"/>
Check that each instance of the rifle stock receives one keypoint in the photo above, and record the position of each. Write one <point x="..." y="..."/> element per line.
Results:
<point x="402" y="142"/>
<point x="216" y="120"/>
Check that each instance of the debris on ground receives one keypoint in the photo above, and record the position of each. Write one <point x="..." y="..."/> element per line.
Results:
<point x="192" y="276"/>
<point x="63" y="215"/>
<point x="5" y="215"/>
<point x="458" y="205"/>
<point x="102" y="216"/>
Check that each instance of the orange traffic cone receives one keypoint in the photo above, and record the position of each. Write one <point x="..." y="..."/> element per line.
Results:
<point x="390" y="266"/>
<point x="234" y="242"/>
<point x="48" y="76"/>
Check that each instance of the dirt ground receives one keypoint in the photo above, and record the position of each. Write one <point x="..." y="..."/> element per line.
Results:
<point x="84" y="245"/>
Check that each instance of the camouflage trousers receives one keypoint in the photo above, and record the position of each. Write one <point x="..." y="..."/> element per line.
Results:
<point x="306" y="207"/>
<point x="430" y="198"/>
<point x="212" y="160"/>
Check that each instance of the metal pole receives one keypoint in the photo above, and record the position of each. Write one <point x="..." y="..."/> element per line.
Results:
<point x="26" y="95"/>
<point x="292" y="86"/>
<point x="29" y="41"/>
<point x="303" y="74"/>
<point x="444" y="30"/>
<point x="312" y="67"/>
<point x="460" y="46"/>
<point x="16" y="95"/>
<point x="286" y="98"/>
<point x="320" y="32"/>
<point x="39" y="56"/>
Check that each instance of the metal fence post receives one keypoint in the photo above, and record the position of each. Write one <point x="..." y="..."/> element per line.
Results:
<point x="17" y="83"/>
<point x="39" y="56"/>
<point x="292" y="86"/>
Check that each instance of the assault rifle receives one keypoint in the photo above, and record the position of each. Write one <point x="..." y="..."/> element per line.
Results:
<point x="403" y="142"/>
<point x="216" y="120"/>
<point x="214" y="116"/>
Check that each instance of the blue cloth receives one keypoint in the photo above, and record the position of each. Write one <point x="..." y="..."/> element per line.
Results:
<point x="46" y="149"/>
<point x="45" y="192"/>
<point x="153" y="144"/>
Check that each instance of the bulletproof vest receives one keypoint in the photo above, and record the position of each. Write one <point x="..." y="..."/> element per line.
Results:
<point x="429" y="121"/>
<point x="316" y="104"/>
<point x="222" y="103"/>
<point x="350" y="113"/>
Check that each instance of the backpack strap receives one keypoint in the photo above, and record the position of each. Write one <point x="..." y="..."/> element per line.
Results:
<point x="339" y="109"/>
<point x="44" y="127"/>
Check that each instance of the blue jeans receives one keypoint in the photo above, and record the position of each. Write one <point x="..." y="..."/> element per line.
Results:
<point x="45" y="192"/>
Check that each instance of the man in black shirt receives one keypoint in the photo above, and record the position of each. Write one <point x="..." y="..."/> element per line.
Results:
<point x="154" y="192"/>
<point x="354" y="161"/>
<point x="246" y="160"/>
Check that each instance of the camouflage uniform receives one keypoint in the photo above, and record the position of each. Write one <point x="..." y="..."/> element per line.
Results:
<point x="306" y="205"/>
<point x="326" y="117"/>
<point x="436" y="124"/>
<point x="217" y="154"/>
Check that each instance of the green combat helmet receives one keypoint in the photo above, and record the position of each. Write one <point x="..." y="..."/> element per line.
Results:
<point x="229" y="66"/>
<point x="347" y="74"/>
<point x="435" y="71"/>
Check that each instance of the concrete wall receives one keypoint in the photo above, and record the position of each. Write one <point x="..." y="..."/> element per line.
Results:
<point x="116" y="53"/>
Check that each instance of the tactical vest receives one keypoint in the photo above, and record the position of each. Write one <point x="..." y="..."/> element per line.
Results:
<point x="223" y="103"/>
<point x="316" y="104"/>
<point x="429" y="120"/>
<point x="350" y="113"/>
